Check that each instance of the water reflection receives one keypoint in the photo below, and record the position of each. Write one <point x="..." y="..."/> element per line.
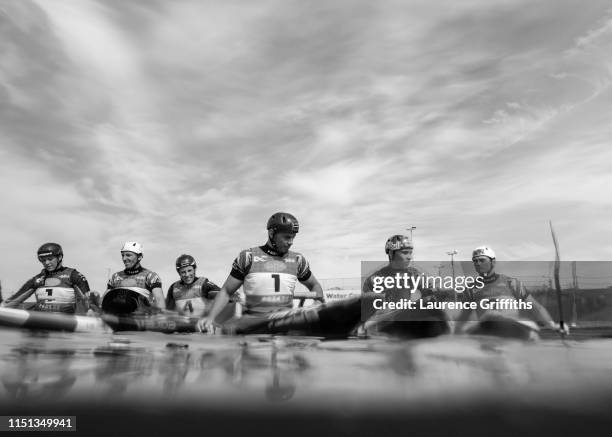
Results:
<point x="242" y="367"/>
<point x="31" y="371"/>
<point x="120" y="365"/>
<point x="195" y="370"/>
<point x="48" y="368"/>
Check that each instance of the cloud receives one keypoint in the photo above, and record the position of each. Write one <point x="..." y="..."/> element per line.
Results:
<point x="186" y="124"/>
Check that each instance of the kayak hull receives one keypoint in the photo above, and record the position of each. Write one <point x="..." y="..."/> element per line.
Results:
<point x="17" y="318"/>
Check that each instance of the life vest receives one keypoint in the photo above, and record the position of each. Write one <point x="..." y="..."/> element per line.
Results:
<point x="55" y="292"/>
<point x="189" y="299"/>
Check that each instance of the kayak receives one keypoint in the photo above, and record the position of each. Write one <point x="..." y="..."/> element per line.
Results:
<point x="125" y="309"/>
<point x="18" y="318"/>
<point x="163" y="322"/>
<point x="425" y="324"/>
<point x="330" y="320"/>
<point x="337" y="319"/>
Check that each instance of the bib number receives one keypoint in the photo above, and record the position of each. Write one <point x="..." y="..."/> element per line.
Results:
<point x="188" y="307"/>
<point x="276" y="278"/>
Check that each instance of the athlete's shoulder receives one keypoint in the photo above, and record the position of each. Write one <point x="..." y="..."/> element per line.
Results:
<point x="515" y="285"/>
<point x="39" y="276"/>
<point x="511" y="281"/>
<point x="384" y="271"/>
<point x="414" y="270"/>
<point x="245" y="255"/>
<point x="201" y="280"/>
<point x="153" y="276"/>
<point x="74" y="273"/>
<point x="251" y="250"/>
<point x="295" y="255"/>
<point x="118" y="274"/>
<point x="149" y="272"/>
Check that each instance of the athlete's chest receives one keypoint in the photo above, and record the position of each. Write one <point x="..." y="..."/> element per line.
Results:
<point x="187" y="291"/>
<point x="123" y="279"/>
<point x="264" y="263"/>
<point x="54" y="279"/>
<point x="497" y="288"/>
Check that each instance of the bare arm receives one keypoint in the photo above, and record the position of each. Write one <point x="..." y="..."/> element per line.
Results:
<point x="463" y="317"/>
<point x="158" y="295"/>
<point x="314" y="286"/>
<point x="230" y="286"/>
<point x="20" y="296"/>
<point x="540" y="313"/>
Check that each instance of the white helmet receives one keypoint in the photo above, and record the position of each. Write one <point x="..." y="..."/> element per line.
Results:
<point x="132" y="246"/>
<point x="483" y="251"/>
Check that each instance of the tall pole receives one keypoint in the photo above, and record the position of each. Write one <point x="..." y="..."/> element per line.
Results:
<point x="452" y="255"/>
<point x="411" y="228"/>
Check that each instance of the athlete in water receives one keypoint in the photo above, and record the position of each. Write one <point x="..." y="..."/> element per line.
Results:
<point x="399" y="249"/>
<point x="135" y="288"/>
<point x="268" y="275"/>
<point x="192" y="295"/>
<point x="407" y="323"/>
<point x="56" y="288"/>
<point x="500" y="296"/>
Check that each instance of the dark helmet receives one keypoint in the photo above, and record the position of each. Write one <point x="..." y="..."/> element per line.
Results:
<point x="50" y="249"/>
<point x="185" y="261"/>
<point x="283" y="222"/>
<point x="398" y="242"/>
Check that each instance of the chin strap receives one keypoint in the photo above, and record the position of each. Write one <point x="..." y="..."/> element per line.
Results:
<point x="273" y="245"/>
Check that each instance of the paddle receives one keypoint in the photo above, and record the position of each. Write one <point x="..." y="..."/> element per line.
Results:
<point x="558" y="282"/>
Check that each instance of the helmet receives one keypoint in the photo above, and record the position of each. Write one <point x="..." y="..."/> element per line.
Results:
<point x="50" y="249"/>
<point x="397" y="242"/>
<point x="283" y="222"/>
<point x="132" y="246"/>
<point x="483" y="251"/>
<point x="185" y="261"/>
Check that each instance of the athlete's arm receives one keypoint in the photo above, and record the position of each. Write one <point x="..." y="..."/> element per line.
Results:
<point x="80" y="281"/>
<point x="158" y="295"/>
<point x="540" y="313"/>
<point x="154" y="284"/>
<point x="207" y="287"/>
<point x="314" y="286"/>
<point x="465" y="314"/>
<point x="368" y="285"/>
<point x="21" y="295"/>
<point x="231" y="285"/>
<point x="170" y="302"/>
<point x="305" y="276"/>
<point x="81" y="291"/>
<point x="463" y="317"/>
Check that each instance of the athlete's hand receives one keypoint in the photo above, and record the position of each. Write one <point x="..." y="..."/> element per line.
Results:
<point x="206" y="326"/>
<point x="564" y="331"/>
<point x="94" y="298"/>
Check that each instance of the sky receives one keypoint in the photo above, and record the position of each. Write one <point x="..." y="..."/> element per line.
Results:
<point x="184" y="125"/>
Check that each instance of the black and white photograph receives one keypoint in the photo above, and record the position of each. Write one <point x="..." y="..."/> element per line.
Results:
<point x="306" y="218"/>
